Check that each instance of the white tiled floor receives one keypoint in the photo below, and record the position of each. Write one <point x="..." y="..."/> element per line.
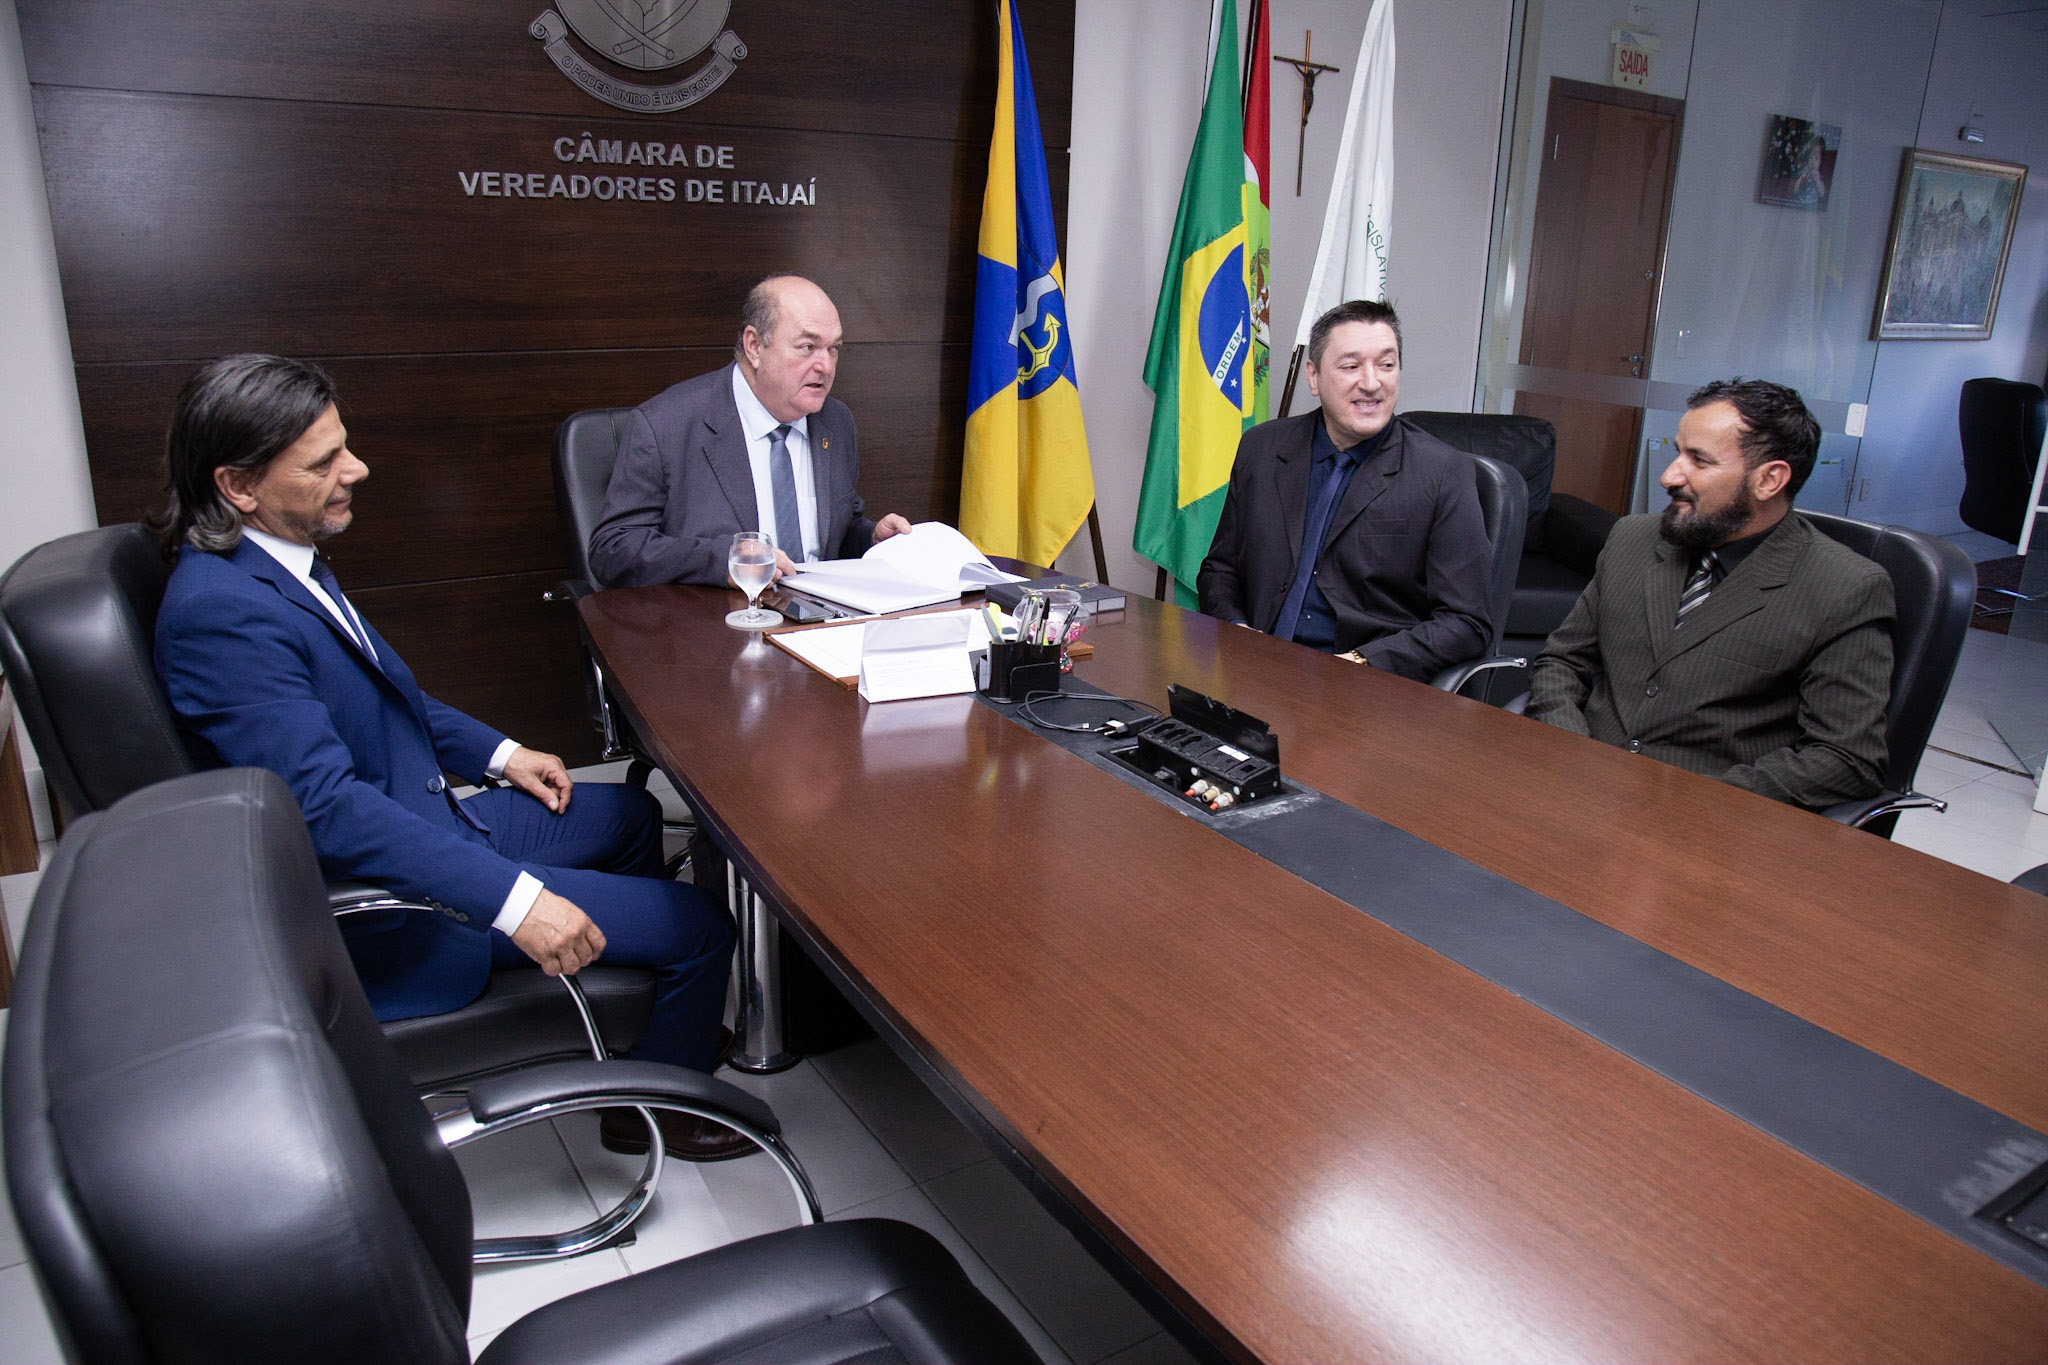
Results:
<point x="878" y="1144"/>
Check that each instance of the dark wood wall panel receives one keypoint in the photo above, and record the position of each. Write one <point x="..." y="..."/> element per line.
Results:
<point x="327" y="228"/>
<point x="512" y="657"/>
<point x="459" y="447"/>
<point x="302" y="176"/>
<point x="920" y="68"/>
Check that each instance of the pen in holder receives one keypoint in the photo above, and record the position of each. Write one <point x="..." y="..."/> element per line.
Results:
<point x="1010" y="671"/>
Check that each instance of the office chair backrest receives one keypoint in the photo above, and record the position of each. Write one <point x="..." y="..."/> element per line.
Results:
<point x="1503" y="502"/>
<point x="586" y="446"/>
<point x="77" y="640"/>
<point x="2001" y="421"/>
<point x="206" y="1174"/>
<point x="1528" y="445"/>
<point x="1934" y="588"/>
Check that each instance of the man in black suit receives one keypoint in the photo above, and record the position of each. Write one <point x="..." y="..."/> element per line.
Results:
<point x="757" y="445"/>
<point x="1347" y="530"/>
<point x="1727" y="635"/>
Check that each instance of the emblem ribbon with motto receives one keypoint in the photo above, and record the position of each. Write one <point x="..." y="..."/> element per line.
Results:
<point x="642" y="37"/>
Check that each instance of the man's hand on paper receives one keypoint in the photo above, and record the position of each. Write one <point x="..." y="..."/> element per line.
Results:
<point x="895" y="524"/>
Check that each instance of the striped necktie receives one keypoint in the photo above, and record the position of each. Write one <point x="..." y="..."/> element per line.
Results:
<point x="789" y="536"/>
<point x="1699" y="585"/>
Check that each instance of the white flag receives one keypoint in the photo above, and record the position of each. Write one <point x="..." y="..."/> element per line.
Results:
<point x="1351" y="259"/>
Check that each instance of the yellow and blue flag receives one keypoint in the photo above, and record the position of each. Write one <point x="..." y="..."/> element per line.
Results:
<point x="1200" y="364"/>
<point x="1025" y="485"/>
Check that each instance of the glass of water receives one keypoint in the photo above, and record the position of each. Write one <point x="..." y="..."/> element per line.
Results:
<point x="752" y="563"/>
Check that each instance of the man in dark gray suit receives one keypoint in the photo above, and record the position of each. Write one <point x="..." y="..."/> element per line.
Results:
<point x="759" y="445"/>
<point x="1728" y="636"/>
<point x="1347" y="530"/>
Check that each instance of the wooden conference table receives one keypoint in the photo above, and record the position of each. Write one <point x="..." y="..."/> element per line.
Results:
<point x="1314" y="1136"/>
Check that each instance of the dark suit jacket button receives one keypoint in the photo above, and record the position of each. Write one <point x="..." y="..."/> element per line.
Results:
<point x="1635" y="746"/>
<point x="1650" y="691"/>
<point x="436" y="783"/>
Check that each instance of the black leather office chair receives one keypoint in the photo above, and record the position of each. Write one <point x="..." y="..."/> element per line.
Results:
<point x="1934" y="587"/>
<point x="205" y="1173"/>
<point x="586" y="447"/>
<point x="1504" y="505"/>
<point x="2001" y="422"/>
<point x="77" y="637"/>
<point x="1563" y="540"/>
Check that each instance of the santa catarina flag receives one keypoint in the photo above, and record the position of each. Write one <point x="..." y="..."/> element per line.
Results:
<point x="1199" y="365"/>
<point x="1025" y="484"/>
<point x="1258" y="199"/>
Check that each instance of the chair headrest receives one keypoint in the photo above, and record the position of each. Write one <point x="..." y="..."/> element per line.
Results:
<point x="586" y="447"/>
<point x="77" y="632"/>
<point x="1528" y="445"/>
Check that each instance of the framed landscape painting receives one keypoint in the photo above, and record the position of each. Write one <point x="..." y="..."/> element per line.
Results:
<point x="1951" y="229"/>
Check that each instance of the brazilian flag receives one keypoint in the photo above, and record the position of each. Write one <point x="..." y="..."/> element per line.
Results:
<point x="1199" y="366"/>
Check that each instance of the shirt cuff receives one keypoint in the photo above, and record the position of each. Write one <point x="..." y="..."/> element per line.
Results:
<point x="518" y="901"/>
<point x="496" y="767"/>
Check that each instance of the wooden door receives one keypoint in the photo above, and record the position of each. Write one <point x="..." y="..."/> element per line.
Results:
<point x="1602" y="201"/>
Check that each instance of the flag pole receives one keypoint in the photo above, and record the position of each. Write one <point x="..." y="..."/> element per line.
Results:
<point x="1293" y="372"/>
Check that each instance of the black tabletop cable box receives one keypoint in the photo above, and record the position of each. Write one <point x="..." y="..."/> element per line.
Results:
<point x="1204" y="752"/>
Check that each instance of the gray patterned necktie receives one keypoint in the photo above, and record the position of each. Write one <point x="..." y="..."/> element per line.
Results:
<point x="1699" y="585"/>
<point x="789" y="535"/>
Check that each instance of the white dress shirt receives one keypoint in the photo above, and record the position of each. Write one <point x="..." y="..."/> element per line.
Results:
<point x="759" y="425"/>
<point x="299" y="560"/>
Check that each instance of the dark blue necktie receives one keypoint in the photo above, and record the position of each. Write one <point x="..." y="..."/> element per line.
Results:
<point x="1312" y="533"/>
<point x="323" y="574"/>
<point x="789" y="534"/>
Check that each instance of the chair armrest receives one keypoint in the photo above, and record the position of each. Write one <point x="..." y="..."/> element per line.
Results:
<point x="610" y="1083"/>
<point x="1857" y="814"/>
<point x="497" y="1103"/>
<point x="569" y="590"/>
<point x="1454" y="678"/>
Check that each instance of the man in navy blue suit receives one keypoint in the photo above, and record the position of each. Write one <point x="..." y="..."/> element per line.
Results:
<point x="268" y="665"/>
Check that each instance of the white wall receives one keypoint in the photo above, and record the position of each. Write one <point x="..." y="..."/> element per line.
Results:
<point x="45" y="489"/>
<point x="1911" y="454"/>
<point x="1138" y="80"/>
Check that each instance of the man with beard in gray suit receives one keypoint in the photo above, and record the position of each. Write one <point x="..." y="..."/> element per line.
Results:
<point x="1727" y="636"/>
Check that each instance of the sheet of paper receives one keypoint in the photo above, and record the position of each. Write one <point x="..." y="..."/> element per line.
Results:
<point x="832" y="650"/>
<point x="933" y="552"/>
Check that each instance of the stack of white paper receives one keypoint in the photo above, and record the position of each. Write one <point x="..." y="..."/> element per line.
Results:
<point x="929" y="563"/>
<point x="915" y="656"/>
<point x="836" y="651"/>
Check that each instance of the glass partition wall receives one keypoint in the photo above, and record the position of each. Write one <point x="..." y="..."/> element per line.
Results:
<point x="1696" y="189"/>
<point x="1724" y="212"/>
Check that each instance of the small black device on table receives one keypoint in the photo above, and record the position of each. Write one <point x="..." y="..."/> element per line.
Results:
<point x="1208" y="754"/>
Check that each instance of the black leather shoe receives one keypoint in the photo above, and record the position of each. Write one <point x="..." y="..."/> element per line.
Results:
<point x="683" y="1136"/>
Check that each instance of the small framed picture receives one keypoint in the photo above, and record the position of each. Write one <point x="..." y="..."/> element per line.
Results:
<point x="1951" y="229"/>
<point x="1799" y="162"/>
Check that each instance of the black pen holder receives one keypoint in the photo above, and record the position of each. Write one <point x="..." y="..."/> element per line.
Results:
<point x="1010" y="671"/>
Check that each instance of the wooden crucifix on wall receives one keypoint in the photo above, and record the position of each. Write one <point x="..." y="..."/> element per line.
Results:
<point x="1308" y="70"/>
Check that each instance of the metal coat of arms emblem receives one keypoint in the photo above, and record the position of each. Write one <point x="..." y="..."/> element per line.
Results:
<point x="642" y="37"/>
